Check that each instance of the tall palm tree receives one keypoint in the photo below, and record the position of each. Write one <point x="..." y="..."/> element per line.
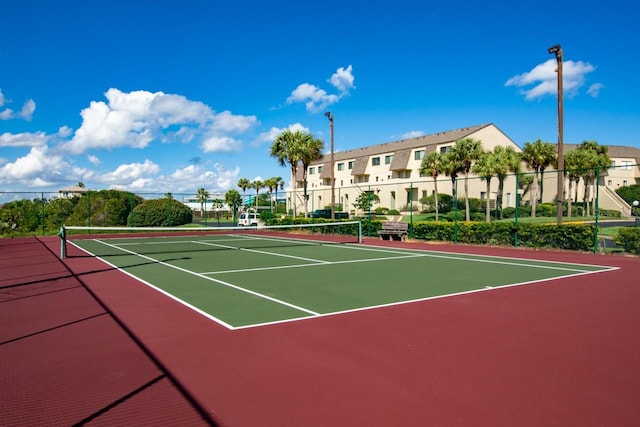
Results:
<point x="451" y="168"/>
<point x="310" y="151"/>
<point x="202" y="196"/>
<point x="243" y="184"/>
<point x="486" y="167"/>
<point x="572" y="163"/>
<point x="272" y="184"/>
<point x="257" y="185"/>
<point x="508" y="161"/>
<point x="286" y="150"/>
<point x="537" y="155"/>
<point x="432" y="165"/>
<point x="595" y="160"/>
<point x="464" y="153"/>
<point x="233" y="200"/>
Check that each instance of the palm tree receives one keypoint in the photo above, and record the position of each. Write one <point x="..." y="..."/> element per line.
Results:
<point x="286" y="150"/>
<point x="464" y="153"/>
<point x="233" y="199"/>
<point x="272" y="184"/>
<point x="310" y="151"/>
<point x="572" y="162"/>
<point x="451" y="168"/>
<point x="486" y="167"/>
<point x="432" y="165"/>
<point x="243" y="184"/>
<point x="202" y="197"/>
<point x="257" y="185"/>
<point x="507" y="160"/>
<point x="537" y="155"/>
<point x="594" y="160"/>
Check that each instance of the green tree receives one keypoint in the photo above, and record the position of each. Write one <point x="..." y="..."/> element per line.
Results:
<point x="243" y="184"/>
<point x="233" y="199"/>
<point x="310" y="151"/>
<point x="572" y="164"/>
<point x="508" y="161"/>
<point x="202" y="196"/>
<point x="537" y="155"/>
<point x="464" y="153"/>
<point x="286" y="149"/>
<point x="257" y="185"/>
<point x="366" y="200"/>
<point x="595" y="161"/>
<point x="486" y="167"/>
<point x="271" y="184"/>
<point x="432" y="165"/>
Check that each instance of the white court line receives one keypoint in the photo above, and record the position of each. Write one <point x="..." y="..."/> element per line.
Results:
<point x="319" y="261"/>
<point x="267" y="297"/>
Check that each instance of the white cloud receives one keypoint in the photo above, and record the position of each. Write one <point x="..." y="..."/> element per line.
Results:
<point x="40" y="163"/>
<point x="594" y="89"/>
<point x="26" y="113"/>
<point x="271" y="135"/>
<point x="316" y="99"/>
<point x="26" y="139"/>
<point x="137" y="118"/>
<point x="343" y="79"/>
<point x="94" y="160"/>
<point x="412" y="134"/>
<point x="127" y="174"/>
<point x="543" y="77"/>
<point x="216" y="144"/>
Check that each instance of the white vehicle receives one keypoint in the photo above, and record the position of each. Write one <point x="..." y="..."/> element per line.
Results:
<point x="248" y="219"/>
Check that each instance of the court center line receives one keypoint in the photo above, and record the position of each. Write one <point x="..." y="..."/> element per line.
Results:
<point x="319" y="261"/>
<point x="278" y="267"/>
<point x="221" y="282"/>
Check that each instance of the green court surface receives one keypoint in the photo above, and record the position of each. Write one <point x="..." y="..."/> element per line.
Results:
<point x="242" y="281"/>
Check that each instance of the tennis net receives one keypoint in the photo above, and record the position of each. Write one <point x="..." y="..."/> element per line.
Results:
<point x="261" y="236"/>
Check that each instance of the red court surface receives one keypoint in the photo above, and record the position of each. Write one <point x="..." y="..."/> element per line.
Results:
<point x="89" y="344"/>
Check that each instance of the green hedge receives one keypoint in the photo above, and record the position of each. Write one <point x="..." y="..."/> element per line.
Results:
<point x="575" y="237"/>
<point x="160" y="213"/>
<point x="629" y="238"/>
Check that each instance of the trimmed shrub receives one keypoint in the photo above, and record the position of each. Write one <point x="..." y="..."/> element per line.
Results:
<point x="160" y="213"/>
<point x="629" y="238"/>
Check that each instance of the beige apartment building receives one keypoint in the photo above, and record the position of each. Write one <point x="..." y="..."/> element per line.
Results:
<point x="392" y="171"/>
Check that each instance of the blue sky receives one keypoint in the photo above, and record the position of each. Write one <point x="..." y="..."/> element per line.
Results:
<point x="170" y="96"/>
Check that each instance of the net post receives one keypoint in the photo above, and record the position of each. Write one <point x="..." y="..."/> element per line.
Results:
<point x="63" y="242"/>
<point x="359" y="231"/>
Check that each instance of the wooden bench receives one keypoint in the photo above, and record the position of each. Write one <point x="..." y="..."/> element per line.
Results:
<point x="394" y="230"/>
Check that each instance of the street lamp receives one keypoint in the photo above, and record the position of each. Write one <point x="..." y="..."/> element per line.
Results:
<point x="557" y="50"/>
<point x="333" y="197"/>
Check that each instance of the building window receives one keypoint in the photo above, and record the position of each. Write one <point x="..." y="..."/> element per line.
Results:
<point x="626" y="165"/>
<point x="350" y="164"/>
<point x="418" y="155"/>
<point x="375" y="161"/>
<point x="340" y="166"/>
<point x="320" y="169"/>
<point x="312" y="171"/>
<point x="388" y="159"/>
<point x="444" y="149"/>
<point x="624" y="183"/>
<point x="609" y="183"/>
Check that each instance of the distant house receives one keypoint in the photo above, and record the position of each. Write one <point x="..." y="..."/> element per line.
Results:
<point x="69" y="192"/>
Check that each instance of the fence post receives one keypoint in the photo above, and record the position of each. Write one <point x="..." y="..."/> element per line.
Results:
<point x="597" y="212"/>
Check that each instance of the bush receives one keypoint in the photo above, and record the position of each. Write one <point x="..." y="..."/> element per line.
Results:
<point x="392" y="212"/>
<point x="445" y="203"/>
<point x="629" y="238"/>
<point x="160" y="213"/>
<point x="546" y="209"/>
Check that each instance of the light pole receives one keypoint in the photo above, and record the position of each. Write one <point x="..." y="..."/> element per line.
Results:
<point x="333" y="184"/>
<point x="557" y="50"/>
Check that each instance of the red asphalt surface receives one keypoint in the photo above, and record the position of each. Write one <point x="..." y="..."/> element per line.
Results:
<point x="90" y="344"/>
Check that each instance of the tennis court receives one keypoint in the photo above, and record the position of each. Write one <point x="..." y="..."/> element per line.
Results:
<point x="257" y="278"/>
